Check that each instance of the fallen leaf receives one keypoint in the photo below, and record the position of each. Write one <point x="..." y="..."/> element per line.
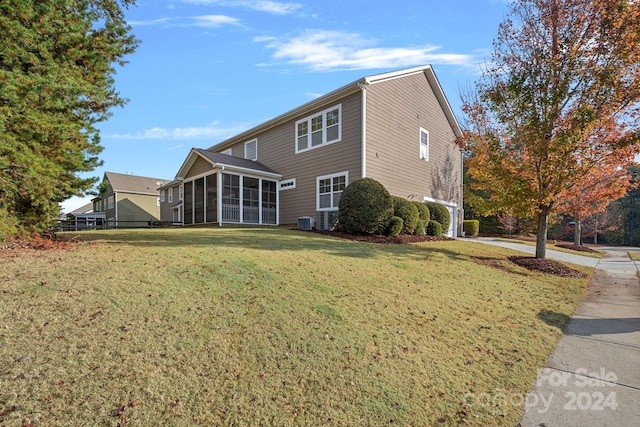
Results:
<point x="119" y="411"/>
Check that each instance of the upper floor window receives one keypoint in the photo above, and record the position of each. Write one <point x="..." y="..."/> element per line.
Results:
<point x="251" y="150"/>
<point x="319" y="129"/>
<point x="170" y="195"/>
<point x="424" y="144"/>
<point x="228" y="152"/>
<point x="330" y="189"/>
<point x="162" y="193"/>
<point x="180" y="192"/>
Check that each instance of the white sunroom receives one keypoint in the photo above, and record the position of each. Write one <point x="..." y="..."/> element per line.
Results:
<point x="223" y="189"/>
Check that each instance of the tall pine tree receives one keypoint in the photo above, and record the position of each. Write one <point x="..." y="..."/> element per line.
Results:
<point x="57" y="60"/>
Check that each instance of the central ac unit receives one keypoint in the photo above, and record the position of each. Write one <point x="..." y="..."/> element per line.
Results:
<point x="305" y="223"/>
<point x="327" y="220"/>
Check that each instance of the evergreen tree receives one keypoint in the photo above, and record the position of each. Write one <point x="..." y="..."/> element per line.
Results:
<point x="57" y="60"/>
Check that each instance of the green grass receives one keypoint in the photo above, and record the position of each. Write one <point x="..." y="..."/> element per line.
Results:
<point x="267" y="326"/>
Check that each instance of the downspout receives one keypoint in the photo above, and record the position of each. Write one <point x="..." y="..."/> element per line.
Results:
<point x="363" y="130"/>
<point x="115" y="204"/>
<point x="461" y="225"/>
<point x="219" y="196"/>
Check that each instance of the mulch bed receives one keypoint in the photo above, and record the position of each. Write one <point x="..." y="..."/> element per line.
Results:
<point x="35" y="242"/>
<point x="548" y="266"/>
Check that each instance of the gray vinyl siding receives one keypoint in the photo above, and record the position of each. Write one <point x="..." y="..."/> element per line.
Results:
<point x="276" y="149"/>
<point x="166" y="213"/>
<point x="396" y="110"/>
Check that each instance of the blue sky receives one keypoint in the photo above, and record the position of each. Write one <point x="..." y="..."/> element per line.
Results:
<point x="208" y="69"/>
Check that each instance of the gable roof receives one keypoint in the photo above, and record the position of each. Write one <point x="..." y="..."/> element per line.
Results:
<point x="225" y="161"/>
<point x="340" y="93"/>
<point x="88" y="208"/>
<point x="124" y="183"/>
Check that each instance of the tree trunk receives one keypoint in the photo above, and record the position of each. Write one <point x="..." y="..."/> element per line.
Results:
<point x="577" y="236"/>
<point x="541" y="234"/>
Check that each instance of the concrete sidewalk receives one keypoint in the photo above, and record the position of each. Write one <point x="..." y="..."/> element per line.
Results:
<point x="593" y="376"/>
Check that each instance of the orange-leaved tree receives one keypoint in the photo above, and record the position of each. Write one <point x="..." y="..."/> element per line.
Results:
<point x="558" y="99"/>
<point x="596" y="190"/>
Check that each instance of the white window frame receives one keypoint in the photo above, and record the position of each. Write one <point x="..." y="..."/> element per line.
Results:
<point x="170" y="195"/>
<point x="162" y="195"/>
<point x="181" y="192"/>
<point x="247" y="151"/>
<point x="424" y="148"/>
<point x="331" y="176"/>
<point x="288" y="184"/>
<point x="309" y="119"/>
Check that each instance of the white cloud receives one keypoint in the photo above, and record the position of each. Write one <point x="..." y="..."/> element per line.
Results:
<point x="214" y="20"/>
<point x="210" y="131"/>
<point x="273" y="7"/>
<point x="199" y="21"/>
<point x="321" y="50"/>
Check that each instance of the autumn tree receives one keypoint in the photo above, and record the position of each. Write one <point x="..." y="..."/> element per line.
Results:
<point x="57" y="60"/>
<point x="595" y="191"/>
<point x="558" y="98"/>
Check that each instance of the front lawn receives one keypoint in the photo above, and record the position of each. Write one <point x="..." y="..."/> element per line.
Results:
<point x="268" y="326"/>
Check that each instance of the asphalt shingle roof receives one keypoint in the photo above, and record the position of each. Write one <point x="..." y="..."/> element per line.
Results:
<point x="134" y="184"/>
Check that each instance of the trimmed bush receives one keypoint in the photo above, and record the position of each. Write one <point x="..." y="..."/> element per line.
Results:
<point x="395" y="227"/>
<point x="471" y="227"/>
<point x="408" y="212"/>
<point x="366" y="207"/>
<point x="419" y="231"/>
<point x="423" y="211"/>
<point x="434" y="228"/>
<point x="439" y="213"/>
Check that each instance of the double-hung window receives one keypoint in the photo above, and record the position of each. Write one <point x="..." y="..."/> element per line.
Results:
<point x="251" y="150"/>
<point x="162" y="193"/>
<point x="330" y="188"/>
<point x="320" y="129"/>
<point x="424" y="144"/>
<point x="170" y="195"/>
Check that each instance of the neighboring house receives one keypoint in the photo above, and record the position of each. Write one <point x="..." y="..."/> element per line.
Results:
<point x="129" y="200"/>
<point x="397" y="128"/>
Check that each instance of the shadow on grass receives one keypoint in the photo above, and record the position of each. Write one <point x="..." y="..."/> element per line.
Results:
<point x="264" y="238"/>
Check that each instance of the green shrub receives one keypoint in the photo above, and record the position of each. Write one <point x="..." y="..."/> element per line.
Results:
<point x="434" y="228"/>
<point x="423" y="211"/>
<point x="395" y="226"/>
<point x="408" y="212"/>
<point x="365" y="207"/>
<point x="471" y="227"/>
<point x="419" y="231"/>
<point x="439" y="213"/>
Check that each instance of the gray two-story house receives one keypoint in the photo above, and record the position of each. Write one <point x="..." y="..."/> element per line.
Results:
<point x="397" y="128"/>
